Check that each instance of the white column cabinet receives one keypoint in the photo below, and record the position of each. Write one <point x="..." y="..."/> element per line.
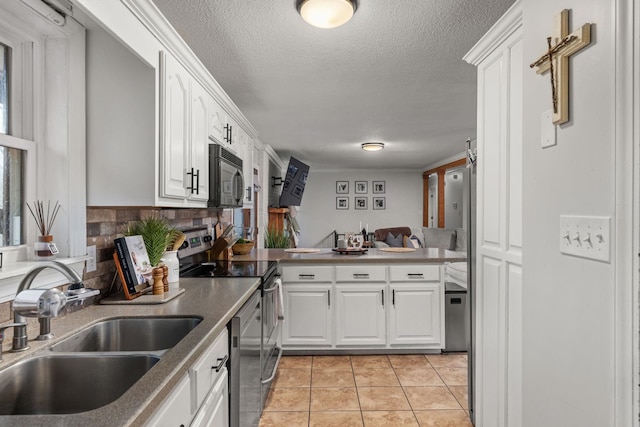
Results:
<point x="497" y="288"/>
<point x="175" y="410"/>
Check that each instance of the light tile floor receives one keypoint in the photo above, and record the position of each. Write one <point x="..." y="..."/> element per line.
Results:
<point x="369" y="391"/>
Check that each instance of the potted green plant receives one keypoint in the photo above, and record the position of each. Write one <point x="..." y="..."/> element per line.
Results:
<point x="276" y="239"/>
<point x="157" y="236"/>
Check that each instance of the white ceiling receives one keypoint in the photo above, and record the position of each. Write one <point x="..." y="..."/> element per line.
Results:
<point x="393" y="74"/>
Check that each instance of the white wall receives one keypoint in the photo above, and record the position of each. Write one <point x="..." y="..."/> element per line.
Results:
<point x="318" y="215"/>
<point x="568" y="302"/>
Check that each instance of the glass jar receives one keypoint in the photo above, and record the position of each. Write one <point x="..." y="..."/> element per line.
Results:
<point x="45" y="249"/>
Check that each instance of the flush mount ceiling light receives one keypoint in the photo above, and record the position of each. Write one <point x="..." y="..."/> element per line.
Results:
<point x="326" y="13"/>
<point x="372" y="146"/>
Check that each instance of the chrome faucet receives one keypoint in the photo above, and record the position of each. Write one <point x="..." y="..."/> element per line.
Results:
<point x="44" y="303"/>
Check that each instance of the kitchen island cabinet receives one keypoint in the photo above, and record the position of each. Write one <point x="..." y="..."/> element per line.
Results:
<point x="308" y="306"/>
<point x="360" y="305"/>
<point x="379" y="301"/>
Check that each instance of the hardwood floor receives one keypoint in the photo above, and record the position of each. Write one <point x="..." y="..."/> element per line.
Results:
<point x="369" y="391"/>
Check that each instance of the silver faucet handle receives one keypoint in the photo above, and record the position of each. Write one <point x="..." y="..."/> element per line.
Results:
<point x="2" y="332"/>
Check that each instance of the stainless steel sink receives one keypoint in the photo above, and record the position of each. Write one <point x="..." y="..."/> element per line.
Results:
<point x="66" y="384"/>
<point x="129" y="334"/>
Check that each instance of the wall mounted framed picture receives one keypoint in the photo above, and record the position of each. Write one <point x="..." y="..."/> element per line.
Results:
<point x="361" y="187"/>
<point x="342" y="187"/>
<point x="342" y="203"/>
<point x="360" y="203"/>
<point x="379" y="203"/>
<point x="378" y="187"/>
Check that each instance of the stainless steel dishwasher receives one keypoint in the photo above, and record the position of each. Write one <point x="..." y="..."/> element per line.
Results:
<point x="244" y="376"/>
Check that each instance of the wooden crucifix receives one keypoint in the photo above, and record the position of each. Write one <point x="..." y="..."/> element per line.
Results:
<point x="560" y="46"/>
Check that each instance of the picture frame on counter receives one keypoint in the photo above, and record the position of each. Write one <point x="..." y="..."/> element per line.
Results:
<point x="342" y="187"/>
<point x="378" y="187"/>
<point x="379" y="203"/>
<point x="360" y="203"/>
<point x="342" y="203"/>
<point x="361" y="187"/>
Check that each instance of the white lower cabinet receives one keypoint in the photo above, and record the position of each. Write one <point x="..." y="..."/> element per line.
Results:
<point x="414" y="314"/>
<point x="309" y="319"/>
<point x="175" y="410"/>
<point x="201" y="398"/>
<point x="215" y="409"/>
<point x="399" y="306"/>
<point x="360" y="315"/>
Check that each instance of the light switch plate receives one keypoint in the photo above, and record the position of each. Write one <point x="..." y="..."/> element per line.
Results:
<point x="91" y="262"/>
<point x="586" y="236"/>
<point x="547" y="130"/>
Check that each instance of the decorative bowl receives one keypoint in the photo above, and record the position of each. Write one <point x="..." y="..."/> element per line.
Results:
<point x="242" y="248"/>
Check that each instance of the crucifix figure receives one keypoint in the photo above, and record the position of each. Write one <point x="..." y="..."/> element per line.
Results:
<point x="560" y="46"/>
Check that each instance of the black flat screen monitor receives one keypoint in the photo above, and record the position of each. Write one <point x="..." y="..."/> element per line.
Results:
<point x="294" y="182"/>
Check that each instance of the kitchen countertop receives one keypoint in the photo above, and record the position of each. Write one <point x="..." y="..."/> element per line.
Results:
<point x="215" y="300"/>
<point x="327" y="256"/>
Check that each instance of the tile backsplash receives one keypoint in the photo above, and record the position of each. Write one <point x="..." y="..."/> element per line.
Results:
<point x="107" y="223"/>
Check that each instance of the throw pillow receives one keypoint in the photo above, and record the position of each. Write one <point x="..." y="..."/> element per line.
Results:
<point x="394" y="242"/>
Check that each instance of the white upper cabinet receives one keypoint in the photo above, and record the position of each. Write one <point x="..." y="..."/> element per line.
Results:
<point x="184" y="136"/>
<point x="198" y="171"/>
<point x="175" y="127"/>
<point x="148" y="133"/>
<point x="217" y="123"/>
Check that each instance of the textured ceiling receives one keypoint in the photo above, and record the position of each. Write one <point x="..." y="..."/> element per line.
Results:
<point x="394" y="74"/>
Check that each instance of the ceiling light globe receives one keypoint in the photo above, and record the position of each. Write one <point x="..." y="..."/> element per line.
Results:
<point x="372" y="146"/>
<point x="326" y="13"/>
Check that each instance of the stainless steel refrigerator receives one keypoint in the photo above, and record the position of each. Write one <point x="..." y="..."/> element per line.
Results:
<point x="471" y="151"/>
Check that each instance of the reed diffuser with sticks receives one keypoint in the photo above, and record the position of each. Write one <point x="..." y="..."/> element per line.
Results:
<point x="45" y="216"/>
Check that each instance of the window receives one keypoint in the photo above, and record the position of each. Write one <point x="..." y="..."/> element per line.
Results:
<point x="12" y="161"/>
<point x="4" y="89"/>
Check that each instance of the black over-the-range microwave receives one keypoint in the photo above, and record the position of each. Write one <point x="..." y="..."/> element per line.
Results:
<point x="226" y="182"/>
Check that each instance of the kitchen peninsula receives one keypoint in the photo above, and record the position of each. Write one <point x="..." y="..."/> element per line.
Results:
<point x="378" y="301"/>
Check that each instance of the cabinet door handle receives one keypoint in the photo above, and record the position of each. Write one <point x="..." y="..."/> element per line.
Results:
<point x="360" y="275"/>
<point x="190" y="187"/>
<point x="415" y="276"/>
<point x="221" y="363"/>
<point x="393" y="297"/>
<point x="197" y="182"/>
<point x="230" y="134"/>
<point x="383" y="297"/>
<point x="306" y="276"/>
<point x="329" y="298"/>
<point x="226" y="133"/>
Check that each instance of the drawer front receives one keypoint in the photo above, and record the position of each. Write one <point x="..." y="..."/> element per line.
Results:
<point x="414" y="273"/>
<point x="206" y="370"/>
<point x="308" y="273"/>
<point x="361" y="273"/>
